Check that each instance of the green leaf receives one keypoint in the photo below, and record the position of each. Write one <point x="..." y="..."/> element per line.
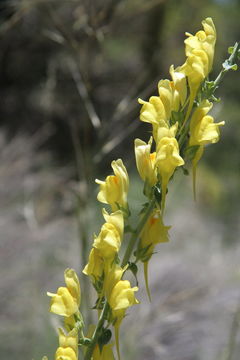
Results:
<point x="191" y="151"/>
<point x="176" y="116"/>
<point x="227" y="66"/>
<point x="104" y="338"/>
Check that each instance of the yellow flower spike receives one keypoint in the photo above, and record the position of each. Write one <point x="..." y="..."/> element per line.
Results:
<point x="203" y="131"/>
<point x="67" y="299"/>
<point x="105" y="354"/>
<point x="95" y="265"/>
<point x="180" y="84"/>
<point x="122" y="297"/>
<point x="108" y="241"/>
<point x="69" y="340"/>
<point x="153" y="111"/>
<point x="167" y="160"/>
<point x="154" y="232"/>
<point x="114" y="189"/>
<point x="145" y="161"/>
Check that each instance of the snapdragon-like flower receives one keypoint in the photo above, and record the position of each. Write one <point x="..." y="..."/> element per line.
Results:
<point x="114" y="189"/>
<point x="180" y="84"/>
<point x="68" y="346"/>
<point x="67" y="299"/>
<point x="153" y="111"/>
<point x="153" y="233"/>
<point x="167" y="160"/>
<point x="113" y="274"/>
<point x="203" y="131"/>
<point x="95" y="265"/>
<point x="203" y="40"/>
<point x="122" y="297"/>
<point x="109" y="240"/>
<point x="145" y="161"/>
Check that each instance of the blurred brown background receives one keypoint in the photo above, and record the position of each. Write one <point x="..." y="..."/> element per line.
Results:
<point x="70" y="75"/>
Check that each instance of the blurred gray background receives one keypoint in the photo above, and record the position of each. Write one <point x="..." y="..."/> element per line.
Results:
<point x="70" y="75"/>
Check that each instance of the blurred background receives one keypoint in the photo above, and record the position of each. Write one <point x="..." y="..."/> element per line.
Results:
<point x="70" y="75"/>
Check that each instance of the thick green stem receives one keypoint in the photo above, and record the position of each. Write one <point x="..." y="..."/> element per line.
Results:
<point x="137" y="232"/>
<point x="96" y="333"/>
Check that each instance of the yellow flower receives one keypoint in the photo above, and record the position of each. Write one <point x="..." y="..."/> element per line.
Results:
<point x="152" y="112"/>
<point x="203" y="131"/>
<point x="114" y="189"/>
<point x="165" y="90"/>
<point x="200" y="52"/>
<point x="105" y="354"/>
<point x="108" y="241"/>
<point x="203" y="40"/>
<point x="162" y="132"/>
<point x="65" y="354"/>
<point x="180" y="84"/>
<point x="167" y="160"/>
<point x="154" y="232"/>
<point x="145" y="161"/>
<point x="113" y="274"/>
<point x="122" y="297"/>
<point x="95" y="265"/>
<point x="69" y="340"/>
<point x="67" y="299"/>
<point x="68" y="346"/>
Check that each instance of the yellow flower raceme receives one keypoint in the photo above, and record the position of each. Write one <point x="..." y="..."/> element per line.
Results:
<point x="199" y="50"/>
<point x="122" y="297"/>
<point x="67" y="299"/>
<point x="145" y="161"/>
<point x="114" y="189"/>
<point x="108" y="241"/>
<point x="203" y="131"/>
<point x="167" y="160"/>
<point x="68" y="346"/>
<point x="154" y="232"/>
<point x="105" y="354"/>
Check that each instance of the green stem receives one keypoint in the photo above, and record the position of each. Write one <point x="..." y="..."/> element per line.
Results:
<point x="231" y="61"/>
<point x="137" y="232"/>
<point x="96" y="333"/>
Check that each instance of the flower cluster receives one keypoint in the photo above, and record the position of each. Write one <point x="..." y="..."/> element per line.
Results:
<point x="171" y="116"/>
<point x="181" y="128"/>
